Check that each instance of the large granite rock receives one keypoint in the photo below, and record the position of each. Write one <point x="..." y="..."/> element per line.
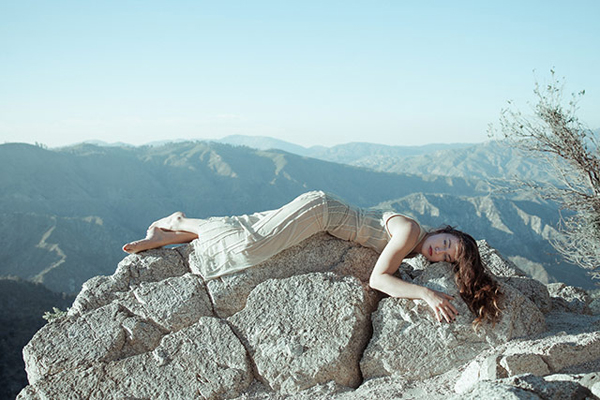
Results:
<point x="150" y="266"/>
<point x="73" y="343"/>
<point x="569" y="298"/>
<point x="320" y="253"/>
<point x="205" y="360"/>
<point x="528" y="387"/>
<point x="540" y="357"/>
<point x="305" y="325"/>
<point x="408" y="341"/>
<point x="316" y="332"/>
<point x="534" y="290"/>
<point x="172" y="303"/>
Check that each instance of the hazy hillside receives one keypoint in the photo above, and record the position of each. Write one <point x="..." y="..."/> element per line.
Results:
<point x="71" y="209"/>
<point x="23" y="304"/>
<point x="269" y="143"/>
<point x="486" y="160"/>
<point x="61" y="252"/>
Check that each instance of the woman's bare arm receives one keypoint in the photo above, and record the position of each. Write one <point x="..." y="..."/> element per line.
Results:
<point x="405" y="233"/>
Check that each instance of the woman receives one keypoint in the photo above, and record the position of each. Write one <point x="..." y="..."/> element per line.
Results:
<point x="230" y="244"/>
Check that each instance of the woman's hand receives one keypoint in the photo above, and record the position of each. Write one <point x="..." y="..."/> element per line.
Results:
<point x="405" y="234"/>
<point x="440" y="303"/>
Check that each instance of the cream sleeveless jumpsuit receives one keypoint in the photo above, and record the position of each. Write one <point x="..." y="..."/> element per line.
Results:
<point x="229" y="244"/>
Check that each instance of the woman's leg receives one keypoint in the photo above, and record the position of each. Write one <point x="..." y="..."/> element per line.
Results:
<point x="178" y="222"/>
<point x="157" y="237"/>
<point x="260" y="235"/>
<point x="280" y="228"/>
<point x="231" y="244"/>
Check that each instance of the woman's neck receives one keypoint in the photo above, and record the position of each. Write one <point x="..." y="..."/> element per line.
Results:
<point x="417" y="249"/>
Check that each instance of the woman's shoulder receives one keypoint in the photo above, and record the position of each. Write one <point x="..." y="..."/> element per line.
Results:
<point x="402" y="225"/>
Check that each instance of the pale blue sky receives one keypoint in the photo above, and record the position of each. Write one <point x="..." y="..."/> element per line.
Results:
<point x="309" y="72"/>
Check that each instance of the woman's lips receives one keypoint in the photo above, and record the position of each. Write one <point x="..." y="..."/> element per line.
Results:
<point x="430" y="251"/>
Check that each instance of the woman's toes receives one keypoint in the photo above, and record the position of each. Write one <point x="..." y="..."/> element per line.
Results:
<point x="137" y="246"/>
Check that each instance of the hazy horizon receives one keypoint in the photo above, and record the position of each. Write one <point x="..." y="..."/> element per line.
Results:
<point x="220" y="139"/>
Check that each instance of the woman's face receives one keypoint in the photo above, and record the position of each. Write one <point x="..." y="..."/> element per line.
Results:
<point x="440" y="247"/>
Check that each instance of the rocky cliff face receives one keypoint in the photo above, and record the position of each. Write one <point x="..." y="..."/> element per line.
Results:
<point x="304" y="324"/>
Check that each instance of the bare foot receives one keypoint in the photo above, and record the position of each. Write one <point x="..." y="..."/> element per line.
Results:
<point x="154" y="239"/>
<point x="168" y="223"/>
<point x="157" y="237"/>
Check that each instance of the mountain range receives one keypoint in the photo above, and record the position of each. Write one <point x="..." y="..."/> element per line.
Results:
<point x="66" y="212"/>
<point x="488" y="160"/>
<point x="69" y="210"/>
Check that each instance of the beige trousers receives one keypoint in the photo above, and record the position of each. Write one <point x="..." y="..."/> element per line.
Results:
<point x="229" y="244"/>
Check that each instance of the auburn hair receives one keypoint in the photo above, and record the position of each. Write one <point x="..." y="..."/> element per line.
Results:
<point x="477" y="288"/>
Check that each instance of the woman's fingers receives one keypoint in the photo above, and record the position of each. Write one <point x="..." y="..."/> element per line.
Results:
<point x="440" y="303"/>
<point x="437" y="315"/>
<point x="453" y="309"/>
<point x="446" y="315"/>
<point x="442" y="313"/>
<point x="448" y="311"/>
<point x="445" y="297"/>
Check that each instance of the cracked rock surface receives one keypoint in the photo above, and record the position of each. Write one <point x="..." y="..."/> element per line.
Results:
<point x="305" y="325"/>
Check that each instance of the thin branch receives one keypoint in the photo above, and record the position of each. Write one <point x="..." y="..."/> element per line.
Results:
<point x="554" y="134"/>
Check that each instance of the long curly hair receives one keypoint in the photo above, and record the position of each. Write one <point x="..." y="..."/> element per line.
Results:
<point x="477" y="288"/>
